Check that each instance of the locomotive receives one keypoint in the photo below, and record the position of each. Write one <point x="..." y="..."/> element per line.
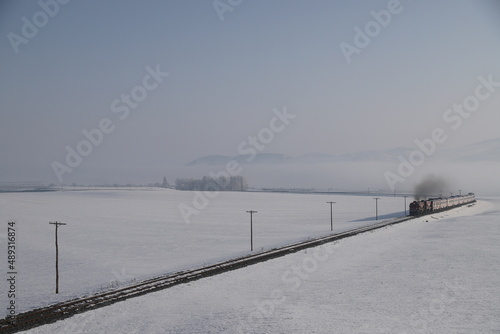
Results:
<point x="438" y="204"/>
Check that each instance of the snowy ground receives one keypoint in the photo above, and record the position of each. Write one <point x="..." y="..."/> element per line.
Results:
<point x="438" y="274"/>
<point x="115" y="236"/>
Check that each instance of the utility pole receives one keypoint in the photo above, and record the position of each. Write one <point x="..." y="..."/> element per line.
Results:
<point x="251" y="212"/>
<point x="331" y="215"/>
<point x="460" y="191"/>
<point x="376" y="207"/>
<point x="57" y="224"/>
<point x="405" y="202"/>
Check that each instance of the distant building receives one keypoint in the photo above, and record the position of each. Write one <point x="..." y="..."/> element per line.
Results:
<point x="207" y="183"/>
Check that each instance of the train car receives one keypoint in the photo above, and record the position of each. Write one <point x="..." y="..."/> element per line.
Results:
<point x="442" y="203"/>
<point x="438" y="204"/>
<point x="428" y="205"/>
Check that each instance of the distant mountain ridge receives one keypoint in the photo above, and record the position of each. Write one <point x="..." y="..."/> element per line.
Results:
<point x="488" y="150"/>
<point x="210" y="160"/>
<point x="384" y="155"/>
<point x="275" y="158"/>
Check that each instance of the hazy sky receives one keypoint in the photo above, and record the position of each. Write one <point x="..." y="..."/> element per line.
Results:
<point x="226" y="77"/>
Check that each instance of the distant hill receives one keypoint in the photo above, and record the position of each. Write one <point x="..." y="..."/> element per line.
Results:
<point x="384" y="155"/>
<point x="488" y="150"/>
<point x="261" y="158"/>
<point x="312" y="158"/>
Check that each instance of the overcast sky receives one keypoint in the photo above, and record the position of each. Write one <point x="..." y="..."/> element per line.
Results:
<point x="228" y="67"/>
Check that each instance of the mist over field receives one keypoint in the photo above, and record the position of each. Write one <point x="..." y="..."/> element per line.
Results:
<point x="442" y="175"/>
<point x="128" y="92"/>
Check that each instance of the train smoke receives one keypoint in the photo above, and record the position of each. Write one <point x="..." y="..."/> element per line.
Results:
<point x="431" y="186"/>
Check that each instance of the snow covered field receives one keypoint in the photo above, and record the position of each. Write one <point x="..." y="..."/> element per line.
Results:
<point x="438" y="274"/>
<point x="115" y="236"/>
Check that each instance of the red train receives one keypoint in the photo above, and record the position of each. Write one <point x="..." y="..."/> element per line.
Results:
<point x="437" y="204"/>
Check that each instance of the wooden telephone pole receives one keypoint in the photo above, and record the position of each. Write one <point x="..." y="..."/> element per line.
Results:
<point x="376" y="207"/>
<point x="57" y="224"/>
<point x="251" y="212"/>
<point x="331" y="214"/>
<point x="405" y="203"/>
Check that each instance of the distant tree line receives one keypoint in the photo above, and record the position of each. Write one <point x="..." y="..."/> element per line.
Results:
<point x="208" y="183"/>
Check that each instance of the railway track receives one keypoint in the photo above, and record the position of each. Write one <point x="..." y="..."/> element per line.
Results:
<point x="37" y="317"/>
